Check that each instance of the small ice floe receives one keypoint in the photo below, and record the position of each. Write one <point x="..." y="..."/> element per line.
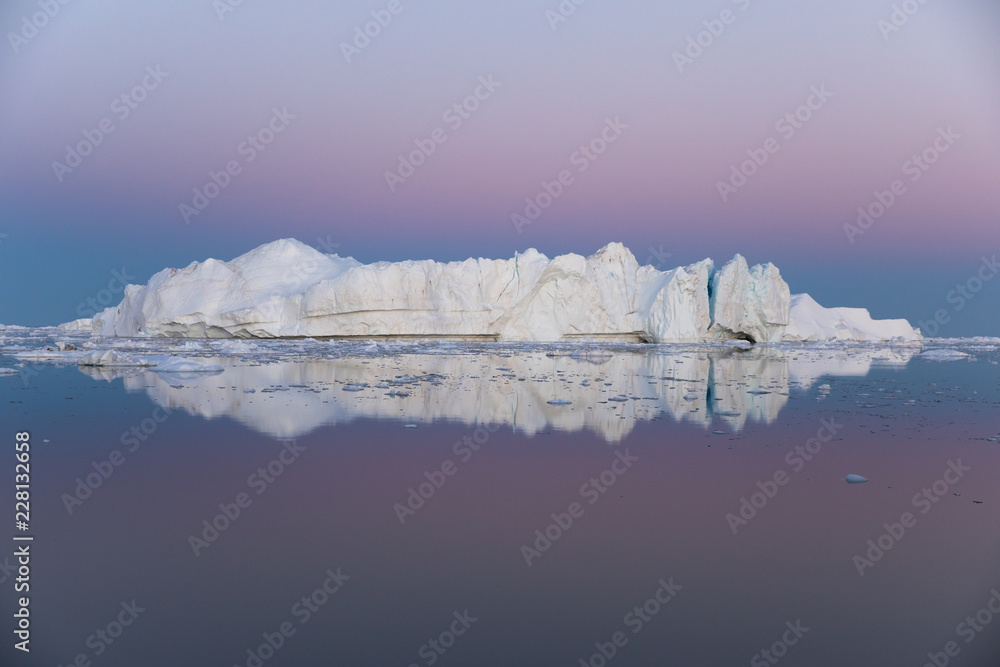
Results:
<point x="353" y="387"/>
<point x="398" y="393"/>
<point x="758" y="391"/>
<point x="738" y="343"/>
<point x="824" y="388"/>
<point x="47" y="353"/>
<point x="112" y="358"/>
<point x="249" y="391"/>
<point x="166" y="364"/>
<point x="618" y="399"/>
<point x="690" y="397"/>
<point x="943" y="355"/>
<point x="235" y="346"/>
<point x="409" y="425"/>
<point x="720" y="433"/>
<point x="728" y="413"/>
<point x="9" y="371"/>
<point x="855" y="479"/>
<point x="559" y="401"/>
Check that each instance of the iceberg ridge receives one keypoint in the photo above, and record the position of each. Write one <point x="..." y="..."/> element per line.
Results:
<point x="289" y="289"/>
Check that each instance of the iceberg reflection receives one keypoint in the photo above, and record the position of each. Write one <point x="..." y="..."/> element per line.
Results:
<point x="609" y="391"/>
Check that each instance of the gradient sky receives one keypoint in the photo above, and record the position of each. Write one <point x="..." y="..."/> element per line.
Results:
<point x="323" y="177"/>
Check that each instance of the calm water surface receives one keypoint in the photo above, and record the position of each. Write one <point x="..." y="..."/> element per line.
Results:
<point x="428" y="505"/>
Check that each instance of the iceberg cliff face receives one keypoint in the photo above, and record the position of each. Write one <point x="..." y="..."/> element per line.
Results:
<point x="286" y="289"/>
<point x="749" y="303"/>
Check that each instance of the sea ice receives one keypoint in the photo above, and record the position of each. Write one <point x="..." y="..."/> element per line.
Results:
<point x="112" y="358"/>
<point x="943" y="355"/>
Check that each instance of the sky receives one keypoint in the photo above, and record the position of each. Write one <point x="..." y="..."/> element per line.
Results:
<point x="139" y="136"/>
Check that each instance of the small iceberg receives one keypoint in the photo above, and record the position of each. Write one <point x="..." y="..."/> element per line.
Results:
<point x="855" y="479"/>
<point x="943" y="355"/>
<point x="167" y="364"/>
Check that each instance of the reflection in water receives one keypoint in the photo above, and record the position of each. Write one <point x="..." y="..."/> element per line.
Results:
<point x="608" y="391"/>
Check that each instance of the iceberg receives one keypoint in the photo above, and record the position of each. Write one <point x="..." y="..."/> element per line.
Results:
<point x="82" y="324"/>
<point x="286" y="289"/>
<point x="809" y="321"/>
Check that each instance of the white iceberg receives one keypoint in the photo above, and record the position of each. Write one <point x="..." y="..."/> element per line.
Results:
<point x="809" y="321"/>
<point x="288" y="289"/>
<point x="82" y="324"/>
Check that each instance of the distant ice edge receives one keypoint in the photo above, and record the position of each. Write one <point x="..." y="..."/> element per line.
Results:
<point x="289" y="289"/>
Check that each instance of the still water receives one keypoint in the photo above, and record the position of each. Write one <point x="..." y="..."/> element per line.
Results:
<point x="442" y="504"/>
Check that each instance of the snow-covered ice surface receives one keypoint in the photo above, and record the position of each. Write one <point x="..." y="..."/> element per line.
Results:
<point x="288" y="388"/>
<point x="287" y="289"/>
<point x="82" y="324"/>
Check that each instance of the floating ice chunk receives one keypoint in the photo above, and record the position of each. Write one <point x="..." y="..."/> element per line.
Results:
<point x="236" y="346"/>
<point x="690" y="397"/>
<point x="166" y="364"/>
<point x="409" y="425"/>
<point x="728" y="413"/>
<point x="83" y="324"/>
<point x="113" y="358"/>
<point x="559" y="401"/>
<point x="855" y="479"/>
<point x="9" y="371"/>
<point x="943" y="355"/>
<point x="738" y="343"/>
<point x="824" y="388"/>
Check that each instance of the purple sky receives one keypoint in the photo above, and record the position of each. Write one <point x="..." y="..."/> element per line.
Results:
<point x="891" y="95"/>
